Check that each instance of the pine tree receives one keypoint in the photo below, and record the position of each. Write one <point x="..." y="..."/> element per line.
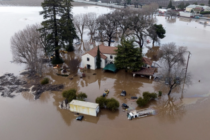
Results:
<point x="52" y="9"/>
<point x="68" y="29"/>
<point x="128" y="57"/>
<point x="98" y="59"/>
<point x="170" y="4"/>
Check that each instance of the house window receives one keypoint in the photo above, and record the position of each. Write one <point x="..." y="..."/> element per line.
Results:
<point x="88" y="59"/>
<point x="111" y="56"/>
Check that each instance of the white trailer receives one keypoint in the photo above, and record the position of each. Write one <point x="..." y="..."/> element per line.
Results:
<point x="141" y="113"/>
<point x="83" y="107"/>
<point x="186" y="14"/>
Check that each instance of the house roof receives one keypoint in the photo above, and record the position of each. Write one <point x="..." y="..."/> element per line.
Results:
<point x="147" y="61"/>
<point x="103" y="49"/>
<point x="146" y="71"/>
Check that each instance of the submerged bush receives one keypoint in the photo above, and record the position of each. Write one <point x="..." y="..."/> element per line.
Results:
<point x="101" y="101"/>
<point x="81" y="96"/>
<point x="111" y="104"/>
<point x="160" y="93"/>
<point x="44" y="81"/>
<point x="147" y="97"/>
<point x="69" y="94"/>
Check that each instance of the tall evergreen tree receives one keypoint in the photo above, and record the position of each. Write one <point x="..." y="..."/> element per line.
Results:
<point x="98" y="59"/>
<point x="68" y="29"/>
<point x="52" y="9"/>
<point x="128" y="57"/>
<point x="170" y="4"/>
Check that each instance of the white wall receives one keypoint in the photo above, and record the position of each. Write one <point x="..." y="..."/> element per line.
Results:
<point x="108" y="57"/>
<point x="91" y="62"/>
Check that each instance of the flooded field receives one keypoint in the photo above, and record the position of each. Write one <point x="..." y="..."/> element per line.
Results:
<point x="185" y="118"/>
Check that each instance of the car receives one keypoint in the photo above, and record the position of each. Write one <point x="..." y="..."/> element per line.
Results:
<point x="123" y="93"/>
<point x="125" y="106"/>
<point x="133" y="97"/>
<point x="79" y="118"/>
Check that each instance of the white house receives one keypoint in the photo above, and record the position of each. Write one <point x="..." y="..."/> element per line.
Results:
<point x="206" y="8"/>
<point x="108" y="55"/>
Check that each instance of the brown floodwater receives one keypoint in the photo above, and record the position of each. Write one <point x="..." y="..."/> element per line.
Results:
<point x="185" y="118"/>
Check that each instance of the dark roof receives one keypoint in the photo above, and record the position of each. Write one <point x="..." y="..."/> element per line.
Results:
<point x="110" y="67"/>
<point x="146" y="71"/>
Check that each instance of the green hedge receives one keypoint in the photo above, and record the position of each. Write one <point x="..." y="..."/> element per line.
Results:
<point x="205" y="12"/>
<point x="44" y="81"/>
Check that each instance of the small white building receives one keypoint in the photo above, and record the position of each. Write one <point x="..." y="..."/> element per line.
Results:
<point x="83" y="107"/>
<point x="108" y="55"/>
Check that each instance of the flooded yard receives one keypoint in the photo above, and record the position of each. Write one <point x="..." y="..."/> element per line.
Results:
<point x="185" y="118"/>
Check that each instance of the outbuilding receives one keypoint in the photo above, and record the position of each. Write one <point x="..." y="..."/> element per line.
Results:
<point x="84" y="107"/>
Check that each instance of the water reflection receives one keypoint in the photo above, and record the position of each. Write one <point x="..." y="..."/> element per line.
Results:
<point x="171" y="20"/>
<point x="170" y="109"/>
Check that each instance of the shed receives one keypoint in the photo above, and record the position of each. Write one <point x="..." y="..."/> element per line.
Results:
<point x="84" y="107"/>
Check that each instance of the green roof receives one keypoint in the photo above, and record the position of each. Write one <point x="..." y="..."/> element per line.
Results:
<point x="110" y="67"/>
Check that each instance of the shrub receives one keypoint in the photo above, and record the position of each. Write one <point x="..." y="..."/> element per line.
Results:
<point x="142" y="102"/>
<point x="205" y="12"/>
<point x="81" y="96"/>
<point x="112" y="104"/>
<point x="69" y="94"/>
<point x="101" y="101"/>
<point x="44" y="81"/>
<point x="160" y="93"/>
<point x="147" y="97"/>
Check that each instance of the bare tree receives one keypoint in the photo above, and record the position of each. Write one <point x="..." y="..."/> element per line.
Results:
<point x="80" y="22"/>
<point x="27" y="48"/>
<point x="171" y="55"/>
<point x="91" y="24"/>
<point x="170" y="14"/>
<point x="107" y="29"/>
<point x="172" y="73"/>
<point x="139" y="25"/>
<point x="122" y="18"/>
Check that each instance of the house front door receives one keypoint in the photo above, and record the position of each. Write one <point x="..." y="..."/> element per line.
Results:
<point x="88" y="66"/>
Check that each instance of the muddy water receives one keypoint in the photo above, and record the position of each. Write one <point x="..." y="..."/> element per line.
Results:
<point x="25" y="118"/>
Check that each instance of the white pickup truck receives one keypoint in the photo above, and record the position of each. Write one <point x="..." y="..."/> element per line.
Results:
<point x="140" y="113"/>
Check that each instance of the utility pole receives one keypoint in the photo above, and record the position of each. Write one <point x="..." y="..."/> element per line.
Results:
<point x="185" y="74"/>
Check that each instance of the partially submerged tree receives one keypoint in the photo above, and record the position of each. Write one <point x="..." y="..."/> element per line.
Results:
<point x="128" y="57"/>
<point x="91" y="24"/>
<point x="139" y="25"/>
<point x="170" y="14"/>
<point x="107" y="29"/>
<point x="27" y="48"/>
<point x="67" y="27"/>
<point x="172" y="74"/>
<point x="69" y="94"/>
<point x="81" y="96"/>
<point x="80" y="22"/>
<point x="156" y="32"/>
<point x="52" y="9"/>
<point x="98" y="59"/>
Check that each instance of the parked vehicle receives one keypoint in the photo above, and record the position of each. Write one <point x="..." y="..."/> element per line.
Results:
<point x="133" y="97"/>
<point x="125" y="106"/>
<point x="79" y="118"/>
<point x="141" y="113"/>
<point x="106" y="92"/>
<point x="123" y="93"/>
